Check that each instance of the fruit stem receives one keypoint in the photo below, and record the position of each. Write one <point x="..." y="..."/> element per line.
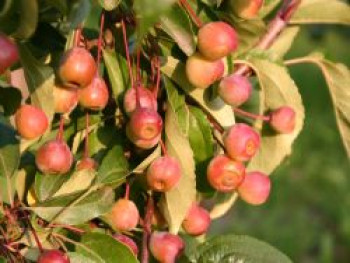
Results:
<point x="86" y="146"/>
<point x="72" y="228"/>
<point x="192" y="13"/>
<point x="77" y="36"/>
<point x="37" y="241"/>
<point x="127" y="54"/>
<point x="138" y="70"/>
<point x="162" y="145"/>
<point x="127" y="191"/>
<point x="99" y="44"/>
<point x="156" y="90"/>
<point x="147" y="229"/>
<point x="61" y="129"/>
<point x="251" y="115"/>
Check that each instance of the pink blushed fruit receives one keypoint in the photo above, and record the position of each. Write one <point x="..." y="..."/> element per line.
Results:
<point x="241" y="142"/>
<point x="95" y="95"/>
<point x="87" y="163"/>
<point x="66" y="99"/>
<point x="197" y="221"/>
<point x="235" y="90"/>
<point x="128" y="242"/>
<point x="166" y="247"/>
<point x="224" y="174"/>
<point x="77" y="68"/>
<point x="255" y="188"/>
<point x="217" y="40"/>
<point x="201" y="72"/>
<point x="163" y="174"/>
<point x="145" y="124"/>
<point x="8" y="53"/>
<point x="124" y="215"/>
<point x="53" y="256"/>
<point x="246" y="9"/>
<point x="142" y="143"/>
<point x="147" y="99"/>
<point x="31" y="122"/>
<point x="283" y="119"/>
<point x="54" y="157"/>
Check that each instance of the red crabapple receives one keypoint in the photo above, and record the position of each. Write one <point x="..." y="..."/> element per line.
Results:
<point x="166" y="247"/>
<point x="217" y="40"/>
<point x="95" y="95"/>
<point x="77" y="68"/>
<point x="143" y="143"/>
<point x="31" y="122"/>
<point x="8" y="53"/>
<point x="163" y="174"/>
<point x="147" y="99"/>
<point x="235" y="90"/>
<point x="128" y="242"/>
<point x="283" y="119"/>
<point x="246" y="9"/>
<point x="54" y="157"/>
<point x="255" y="188"/>
<point x="197" y="221"/>
<point x="124" y="215"/>
<point x="53" y="256"/>
<point x="241" y="142"/>
<point x="66" y="99"/>
<point x="224" y="174"/>
<point x="87" y="163"/>
<point x="201" y="72"/>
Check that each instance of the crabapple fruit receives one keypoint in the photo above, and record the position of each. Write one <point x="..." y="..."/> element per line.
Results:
<point x="8" y="53"/>
<point x="95" y="95"/>
<point x="283" y="119"/>
<point x="255" y="188"/>
<point x="128" y="242"/>
<point x="147" y="99"/>
<point x="65" y="99"/>
<point x="124" y="215"/>
<point x="53" y="256"/>
<point x="197" y="221"/>
<point x="166" y="247"/>
<point x="235" y="90"/>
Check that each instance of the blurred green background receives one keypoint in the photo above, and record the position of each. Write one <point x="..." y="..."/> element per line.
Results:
<point x="308" y="213"/>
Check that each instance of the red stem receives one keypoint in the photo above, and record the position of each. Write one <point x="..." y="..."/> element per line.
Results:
<point x="162" y="145"/>
<point x="86" y="149"/>
<point x="61" y="129"/>
<point x="156" y="90"/>
<point x="192" y="13"/>
<point x="251" y="115"/>
<point x="147" y="229"/>
<point x="138" y="70"/>
<point x="127" y="191"/>
<point x="99" y="44"/>
<point x="35" y="236"/>
<point x="77" y="36"/>
<point x="127" y="53"/>
<point x="72" y="228"/>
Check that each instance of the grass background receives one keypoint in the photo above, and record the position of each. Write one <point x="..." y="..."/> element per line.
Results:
<point x="308" y="213"/>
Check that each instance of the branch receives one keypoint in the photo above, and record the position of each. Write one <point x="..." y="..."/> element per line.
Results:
<point x="147" y="229"/>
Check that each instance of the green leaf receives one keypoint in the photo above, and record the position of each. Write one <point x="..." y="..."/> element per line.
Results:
<point x="9" y="159"/>
<point x="77" y="208"/>
<point x="114" y="167"/>
<point x="175" y="70"/>
<point x="235" y="248"/>
<point x="177" y="24"/>
<point x="2" y="259"/>
<point x="202" y="144"/>
<point x="223" y="203"/>
<point x="268" y="7"/>
<point x="117" y="72"/>
<point x="28" y="19"/>
<point x="45" y="186"/>
<point x="284" y="42"/>
<point x="78" y="12"/>
<point x="40" y="80"/>
<point x="338" y="78"/>
<point x="215" y="3"/>
<point x="148" y="12"/>
<point x="78" y="181"/>
<point x="277" y="89"/>
<point x="139" y="169"/>
<point x="105" y="249"/>
<point x="322" y="11"/>
<point x="176" y="202"/>
<point x="10" y="100"/>
<point x="109" y="5"/>
<point x="60" y="5"/>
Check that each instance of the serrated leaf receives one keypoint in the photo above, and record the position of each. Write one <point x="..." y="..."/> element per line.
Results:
<point x="175" y="70"/>
<point x="114" y="167"/>
<point x="177" y="24"/>
<point x="109" y="5"/>
<point x="237" y="249"/>
<point x="284" y="41"/>
<point x="148" y="12"/>
<point x="9" y="159"/>
<point x="176" y="202"/>
<point x="277" y="89"/>
<point x="40" y="80"/>
<point x="338" y="78"/>
<point x="46" y="185"/>
<point x="78" y="181"/>
<point x="117" y="72"/>
<point x="28" y="20"/>
<point x="322" y="11"/>
<point x="105" y="249"/>
<point x="77" y="208"/>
